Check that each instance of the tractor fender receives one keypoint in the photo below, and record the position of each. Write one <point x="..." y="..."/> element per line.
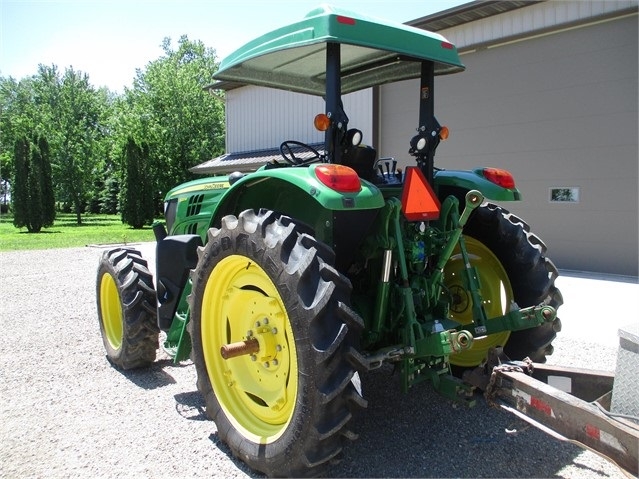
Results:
<point x="296" y="192"/>
<point x="458" y="182"/>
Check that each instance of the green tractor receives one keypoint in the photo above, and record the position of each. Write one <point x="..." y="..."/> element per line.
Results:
<point x="283" y="285"/>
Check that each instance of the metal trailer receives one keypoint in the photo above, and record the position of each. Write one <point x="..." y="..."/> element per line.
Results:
<point x="596" y="410"/>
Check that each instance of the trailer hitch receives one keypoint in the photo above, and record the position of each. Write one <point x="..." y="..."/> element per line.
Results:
<point x="483" y="376"/>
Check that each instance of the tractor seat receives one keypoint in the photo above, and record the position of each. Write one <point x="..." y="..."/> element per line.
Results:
<point x="362" y="159"/>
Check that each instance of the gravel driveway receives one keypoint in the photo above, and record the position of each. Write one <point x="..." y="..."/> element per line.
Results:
<point x="65" y="412"/>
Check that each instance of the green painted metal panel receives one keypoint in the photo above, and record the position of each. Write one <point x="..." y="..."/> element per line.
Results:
<point x="474" y="180"/>
<point x="188" y="207"/>
<point x="305" y="180"/>
<point x="194" y="206"/>
<point x="218" y="183"/>
<point x="374" y="52"/>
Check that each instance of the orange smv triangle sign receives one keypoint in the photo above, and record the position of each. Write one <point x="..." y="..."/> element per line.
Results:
<point x="419" y="202"/>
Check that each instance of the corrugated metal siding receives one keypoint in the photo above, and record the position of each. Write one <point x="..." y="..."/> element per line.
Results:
<point x="259" y="118"/>
<point x="558" y="111"/>
<point x="535" y="18"/>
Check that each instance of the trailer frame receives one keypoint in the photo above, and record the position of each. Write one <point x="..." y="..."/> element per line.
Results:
<point x="570" y="404"/>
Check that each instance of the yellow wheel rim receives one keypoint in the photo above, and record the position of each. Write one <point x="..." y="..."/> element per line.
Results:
<point x="111" y="311"/>
<point x="256" y="391"/>
<point x="496" y="292"/>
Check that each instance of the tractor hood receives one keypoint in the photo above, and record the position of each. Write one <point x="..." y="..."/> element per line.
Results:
<point x="374" y="52"/>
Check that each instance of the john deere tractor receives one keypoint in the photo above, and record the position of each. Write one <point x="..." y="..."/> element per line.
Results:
<point x="283" y="285"/>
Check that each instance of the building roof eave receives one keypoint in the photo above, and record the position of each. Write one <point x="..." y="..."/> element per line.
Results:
<point x="467" y="13"/>
<point x="248" y="161"/>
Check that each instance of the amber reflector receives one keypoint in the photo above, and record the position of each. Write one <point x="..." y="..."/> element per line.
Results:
<point x="322" y="122"/>
<point x="444" y="132"/>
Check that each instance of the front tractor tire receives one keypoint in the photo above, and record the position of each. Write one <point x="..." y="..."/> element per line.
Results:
<point x="283" y="403"/>
<point x="126" y="308"/>
<point x="512" y="266"/>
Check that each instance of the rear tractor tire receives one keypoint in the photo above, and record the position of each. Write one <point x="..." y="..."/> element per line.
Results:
<point x="283" y="403"/>
<point x="512" y="266"/>
<point x="126" y="308"/>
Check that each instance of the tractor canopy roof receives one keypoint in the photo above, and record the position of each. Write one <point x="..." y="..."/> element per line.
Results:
<point x="373" y="52"/>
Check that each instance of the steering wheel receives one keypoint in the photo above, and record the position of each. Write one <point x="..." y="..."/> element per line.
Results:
<point x="286" y="150"/>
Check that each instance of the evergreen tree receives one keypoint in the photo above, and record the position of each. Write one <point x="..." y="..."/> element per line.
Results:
<point x="34" y="185"/>
<point x="94" y="202"/>
<point x="20" y="190"/>
<point x="109" y="195"/>
<point x="33" y="201"/>
<point x="137" y="193"/>
<point x="48" y="195"/>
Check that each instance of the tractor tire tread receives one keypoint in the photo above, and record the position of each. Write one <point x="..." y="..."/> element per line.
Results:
<point x="137" y="296"/>
<point x="323" y="295"/>
<point x="532" y="274"/>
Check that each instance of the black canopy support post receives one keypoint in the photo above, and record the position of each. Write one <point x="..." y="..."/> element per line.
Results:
<point x="427" y="122"/>
<point x="333" y="103"/>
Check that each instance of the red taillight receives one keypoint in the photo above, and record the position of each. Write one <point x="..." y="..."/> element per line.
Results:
<point x="500" y="177"/>
<point x="448" y="45"/>
<point x="339" y="178"/>
<point x="346" y="20"/>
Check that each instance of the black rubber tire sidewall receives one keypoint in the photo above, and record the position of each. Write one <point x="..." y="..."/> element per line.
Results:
<point x="316" y="297"/>
<point x="134" y="283"/>
<point x="532" y="275"/>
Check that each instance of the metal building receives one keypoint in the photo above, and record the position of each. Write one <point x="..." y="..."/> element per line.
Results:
<point x="550" y="93"/>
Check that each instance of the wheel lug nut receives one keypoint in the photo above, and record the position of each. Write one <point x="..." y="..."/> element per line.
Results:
<point x="274" y="330"/>
<point x="267" y="364"/>
<point x="275" y="362"/>
<point x="265" y="320"/>
<point x="253" y="357"/>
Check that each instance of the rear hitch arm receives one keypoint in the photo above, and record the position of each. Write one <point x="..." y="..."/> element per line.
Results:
<point x="473" y="199"/>
<point x="517" y="319"/>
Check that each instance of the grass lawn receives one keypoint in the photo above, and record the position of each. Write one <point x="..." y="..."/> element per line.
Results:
<point x="65" y="233"/>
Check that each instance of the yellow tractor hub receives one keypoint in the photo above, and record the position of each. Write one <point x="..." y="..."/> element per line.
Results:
<point x="497" y="297"/>
<point x="249" y="349"/>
